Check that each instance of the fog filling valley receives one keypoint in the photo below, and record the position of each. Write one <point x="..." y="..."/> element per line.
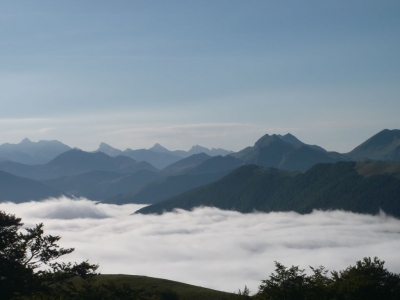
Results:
<point x="218" y="249"/>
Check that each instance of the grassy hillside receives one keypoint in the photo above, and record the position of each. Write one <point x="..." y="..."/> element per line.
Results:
<point x="324" y="186"/>
<point x="157" y="286"/>
<point x="368" y="169"/>
<point x="384" y="145"/>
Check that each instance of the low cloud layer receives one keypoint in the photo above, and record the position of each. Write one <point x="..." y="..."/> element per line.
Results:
<point x="209" y="247"/>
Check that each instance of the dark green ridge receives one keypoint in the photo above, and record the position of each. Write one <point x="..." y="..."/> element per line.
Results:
<point x="325" y="186"/>
<point x="368" y="169"/>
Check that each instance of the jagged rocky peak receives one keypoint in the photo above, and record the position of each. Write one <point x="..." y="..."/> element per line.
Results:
<point x="266" y="140"/>
<point x="291" y="139"/>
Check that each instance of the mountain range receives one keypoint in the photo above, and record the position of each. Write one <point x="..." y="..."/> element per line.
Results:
<point x="191" y="175"/>
<point x="27" y="152"/>
<point x="74" y="162"/>
<point x="111" y="175"/>
<point x="159" y="156"/>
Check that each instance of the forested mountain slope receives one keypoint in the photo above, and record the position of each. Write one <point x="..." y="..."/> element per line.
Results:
<point x="325" y="186"/>
<point x="165" y="188"/>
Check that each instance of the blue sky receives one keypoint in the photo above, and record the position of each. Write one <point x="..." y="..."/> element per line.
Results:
<point x="215" y="73"/>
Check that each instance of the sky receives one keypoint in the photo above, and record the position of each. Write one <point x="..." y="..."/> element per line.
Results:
<point x="215" y="73"/>
<point x="224" y="250"/>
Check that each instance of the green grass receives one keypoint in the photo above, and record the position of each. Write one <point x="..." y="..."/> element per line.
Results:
<point x="368" y="169"/>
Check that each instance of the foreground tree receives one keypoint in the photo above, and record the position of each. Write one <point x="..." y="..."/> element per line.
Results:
<point x="286" y="283"/>
<point x="28" y="263"/>
<point x="245" y="293"/>
<point x="366" y="280"/>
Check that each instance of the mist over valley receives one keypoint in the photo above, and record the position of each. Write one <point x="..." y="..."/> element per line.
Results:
<point x="187" y="150"/>
<point x="209" y="247"/>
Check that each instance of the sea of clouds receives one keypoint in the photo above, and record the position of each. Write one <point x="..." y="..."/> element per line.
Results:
<point x="224" y="250"/>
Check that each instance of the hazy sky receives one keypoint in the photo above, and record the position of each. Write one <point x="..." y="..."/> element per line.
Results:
<point x="224" y="250"/>
<point x="215" y="73"/>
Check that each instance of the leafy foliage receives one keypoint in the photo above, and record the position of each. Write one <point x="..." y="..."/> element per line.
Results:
<point x="28" y="263"/>
<point x="366" y="280"/>
<point x="245" y="293"/>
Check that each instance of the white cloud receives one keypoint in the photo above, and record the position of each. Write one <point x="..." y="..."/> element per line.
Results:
<point x="209" y="247"/>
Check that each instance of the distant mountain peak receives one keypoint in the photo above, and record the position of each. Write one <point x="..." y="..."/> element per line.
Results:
<point x="198" y="148"/>
<point x="105" y="146"/>
<point x="385" y="145"/>
<point x="158" y="148"/>
<point x="291" y="139"/>
<point x="385" y="136"/>
<point x="109" y="150"/>
<point x="266" y="140"/>
<point x="213" y="152"/>
<point x="32" y="153"/>
<point x="26" y="141"/>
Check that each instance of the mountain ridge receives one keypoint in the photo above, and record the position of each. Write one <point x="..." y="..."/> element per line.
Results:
<point x="385" y="145"/>
<point x="273" y="151"/>
<point x="28" y="152"/>
<point x="19" y="189"/>
<point x="75" y="162"/>
<point x="325" y="186"/>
